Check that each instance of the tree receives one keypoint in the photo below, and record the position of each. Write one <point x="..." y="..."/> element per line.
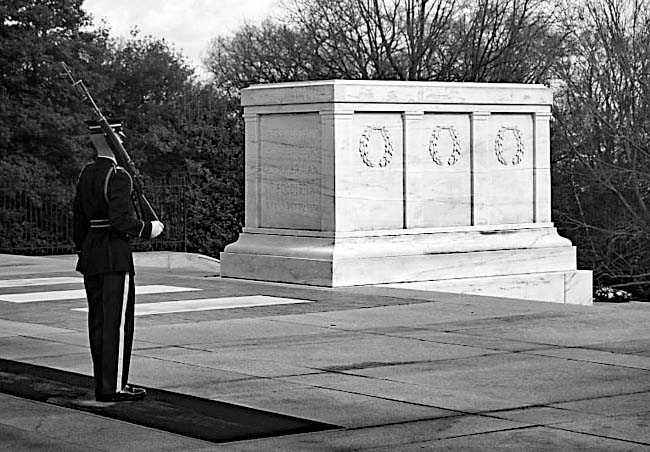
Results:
<point x="602" y="169"/>
<point x="268" y="53"/>
<point x="174" y="124"/>
<point x="35" y="37"/>
<point x="146" y="80"/>
<point x="448" y="40"/>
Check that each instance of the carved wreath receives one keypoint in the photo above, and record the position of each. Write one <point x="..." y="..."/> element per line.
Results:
<point x="498" y="145"/>
<point x="455" y="145"/>
<point x="365" y="141"/>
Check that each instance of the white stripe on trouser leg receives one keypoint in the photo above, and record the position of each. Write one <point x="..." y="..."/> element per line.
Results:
<point x="120" y="340"/>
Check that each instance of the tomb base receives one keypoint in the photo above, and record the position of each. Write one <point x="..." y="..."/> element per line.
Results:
<point x="535" y="256"/>
<point x="571" y="287"/>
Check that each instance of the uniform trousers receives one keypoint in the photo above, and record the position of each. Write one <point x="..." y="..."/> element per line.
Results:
<point x="111" y="304"/>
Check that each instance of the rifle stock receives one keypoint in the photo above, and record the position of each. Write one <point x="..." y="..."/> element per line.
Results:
<point x="144" y="208"/>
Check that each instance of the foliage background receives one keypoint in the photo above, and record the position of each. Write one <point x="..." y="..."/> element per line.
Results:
<point x="593" y="53"/>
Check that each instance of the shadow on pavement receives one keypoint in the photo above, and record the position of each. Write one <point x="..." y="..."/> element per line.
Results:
<point x="190" y="416"/>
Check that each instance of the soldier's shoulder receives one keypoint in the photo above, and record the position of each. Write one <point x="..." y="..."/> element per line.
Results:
<point x="85" y="170"/>
<point x="122" y="176"/>
<point x="122" y="172"/>
<point x="87" y="166"/>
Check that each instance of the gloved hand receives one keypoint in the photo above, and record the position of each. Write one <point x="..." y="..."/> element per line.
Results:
<point x="156" y="228"/>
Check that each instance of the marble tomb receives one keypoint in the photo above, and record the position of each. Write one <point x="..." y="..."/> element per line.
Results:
<point x="424" y="185"/>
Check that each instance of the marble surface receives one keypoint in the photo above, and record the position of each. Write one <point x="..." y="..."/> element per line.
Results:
<point x="365" y="91"/>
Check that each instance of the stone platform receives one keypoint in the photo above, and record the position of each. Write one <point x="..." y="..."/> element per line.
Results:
<point x="395" y="369"/>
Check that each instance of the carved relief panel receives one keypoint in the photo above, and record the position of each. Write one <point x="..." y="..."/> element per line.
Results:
<point x="508" y="185"/>
<point x="369" y="173"/>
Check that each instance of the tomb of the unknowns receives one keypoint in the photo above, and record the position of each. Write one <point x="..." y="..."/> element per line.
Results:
<point x="423" y="185"/>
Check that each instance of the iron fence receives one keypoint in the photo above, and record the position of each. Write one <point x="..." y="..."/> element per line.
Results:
<point x="38" y="220"/>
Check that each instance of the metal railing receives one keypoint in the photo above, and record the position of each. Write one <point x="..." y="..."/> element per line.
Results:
<point x="38" y="220"/>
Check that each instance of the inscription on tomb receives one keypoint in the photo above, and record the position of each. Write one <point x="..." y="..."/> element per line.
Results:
<point x="293" y="189"/>
<point x="290" y="180"/>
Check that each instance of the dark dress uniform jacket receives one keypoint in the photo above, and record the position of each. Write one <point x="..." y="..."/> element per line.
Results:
<point x="104" y="218"/>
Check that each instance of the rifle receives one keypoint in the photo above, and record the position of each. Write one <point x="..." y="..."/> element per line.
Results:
<point x="145" y="210"/>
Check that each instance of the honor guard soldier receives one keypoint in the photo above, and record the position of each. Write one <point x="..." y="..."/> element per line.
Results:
<point x="104" y="219"/>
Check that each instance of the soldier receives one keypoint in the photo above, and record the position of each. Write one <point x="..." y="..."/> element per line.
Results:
<point x="103" y="220"/>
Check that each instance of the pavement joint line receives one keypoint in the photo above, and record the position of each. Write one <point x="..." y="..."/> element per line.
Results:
<point x="570" y="358"/>
<point x="607" y="396"/>
<point x="438" y="361"/>
<point x="468" y="333"/>
<point x="62" y="355"/>
<point x="556" y="427"/>
<point x="492" y="413"/>
<point x="455" y="414"/>
<point x="510" y="429"/>
<point x="545" y="347"/>
<point x="390" y="399"/>
<point x="201" y="367"/>
<point x="460" y="414"/>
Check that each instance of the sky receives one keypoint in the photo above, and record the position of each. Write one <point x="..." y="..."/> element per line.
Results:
<point x="187" y="24"/>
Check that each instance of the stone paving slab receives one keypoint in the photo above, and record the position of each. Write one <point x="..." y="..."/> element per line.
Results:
<point x="604" y="325"/>
<point x="633" y="428"/>
<point x="521" y="378"/>
<point x="228" y="360"/>
<point x="80" y="363"/>
<point x="10" y="328"/>
<point x="165" y="374"/>
<point x="213" y="332"/>
<point x="414" y="314"/>
<point x="450" y="399"/>
<point x="360" y="353"/>
<point x="342" y="408"/>
<point x="16" y="439"/>
<point x="17" y="347"/>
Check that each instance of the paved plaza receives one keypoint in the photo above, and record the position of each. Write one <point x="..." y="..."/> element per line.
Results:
<point x="388" y="369"/>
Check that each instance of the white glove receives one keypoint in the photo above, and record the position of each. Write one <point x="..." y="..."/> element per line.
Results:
<point x="156" y="228"/>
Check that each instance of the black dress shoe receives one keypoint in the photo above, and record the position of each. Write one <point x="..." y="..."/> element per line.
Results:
<point x="128" y="393"/>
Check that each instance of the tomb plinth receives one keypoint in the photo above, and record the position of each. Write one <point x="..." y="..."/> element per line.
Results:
<point x="360" y="182"/>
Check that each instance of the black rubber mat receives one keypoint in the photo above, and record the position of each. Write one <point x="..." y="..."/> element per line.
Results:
<point x="172" y="412"/>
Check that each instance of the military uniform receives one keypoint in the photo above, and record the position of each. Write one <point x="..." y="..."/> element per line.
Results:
<point x="103" y="221"/>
